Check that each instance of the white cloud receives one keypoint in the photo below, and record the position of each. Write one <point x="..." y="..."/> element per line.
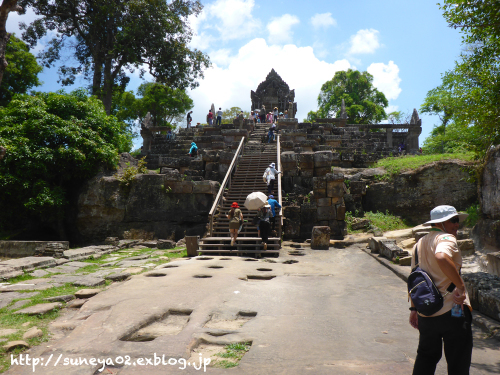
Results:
<point x="221" y="57"/>
<point x="323" y="20"/>
<point x="230" y="86"/>
<point x="280" y="29"/>
<point x="386" y="78"/>
<point x="364" y="42"/>
<point x="228" y="19"/>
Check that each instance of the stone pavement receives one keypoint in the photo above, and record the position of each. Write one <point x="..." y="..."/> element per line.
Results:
<point x="332" y="312"/>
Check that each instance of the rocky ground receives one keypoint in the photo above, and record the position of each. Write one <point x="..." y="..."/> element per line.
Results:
<point x="341" y="311"/>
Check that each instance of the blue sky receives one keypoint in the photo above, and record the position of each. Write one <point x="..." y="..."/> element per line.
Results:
<point x="405" y="45"/>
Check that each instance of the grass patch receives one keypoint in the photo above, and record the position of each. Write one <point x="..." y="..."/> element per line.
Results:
<point x="233" y="353"/>
<point x="385" y="222"/>
<point x="395" y="165"/>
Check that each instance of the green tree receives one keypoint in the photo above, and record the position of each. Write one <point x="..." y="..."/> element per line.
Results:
<point x="6" y="7"/>
<point x="364" y="103"/>
<point x="474" y="84"/>
<point x="166" y="105"/>
<point x="22" y="72"/>
<point x="111" y="37"/>
<point x="228" y="115"/>
<point x="53" y="142"/>
<point x="439" y="102"/>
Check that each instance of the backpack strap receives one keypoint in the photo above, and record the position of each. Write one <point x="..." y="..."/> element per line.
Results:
<point x="452" y="286"/>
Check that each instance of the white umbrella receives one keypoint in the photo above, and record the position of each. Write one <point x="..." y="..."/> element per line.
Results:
<point x="255" y="200"/>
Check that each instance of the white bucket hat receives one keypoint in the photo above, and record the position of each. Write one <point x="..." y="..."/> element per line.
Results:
<point x="272" y="165"/>
<point x="441" y="214"/>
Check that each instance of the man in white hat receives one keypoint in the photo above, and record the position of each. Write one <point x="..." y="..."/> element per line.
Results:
<point x="269" y="176"/>
<point x="439" y="256"/>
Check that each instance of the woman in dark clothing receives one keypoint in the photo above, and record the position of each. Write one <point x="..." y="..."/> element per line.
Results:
<point x="264" y="226"/>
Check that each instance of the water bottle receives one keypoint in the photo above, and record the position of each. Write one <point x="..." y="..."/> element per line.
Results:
<point x="456" y="311"/>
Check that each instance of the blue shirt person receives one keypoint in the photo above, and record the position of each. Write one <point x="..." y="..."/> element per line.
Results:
<point x="275" y="207"/>
<point x="193" y="151"/>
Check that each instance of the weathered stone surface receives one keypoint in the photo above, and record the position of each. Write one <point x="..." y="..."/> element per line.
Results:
<point x="360" y="224"/>
<point x="118" y="276"/>
<point x="106" y="210"/>
<point x="87" y="293"/>
<point x="32" y="333"/>
<point x="357" y="187"/>
<point x="390" y="250"/>
<point x="41" y="308"/>
<point x="7" y="297"/>
<point x="7" y="332"/>
<point x="490" y="185"/>
<point x="79" y="253"/>
<point x="114" y="241"/>
<point x="19" y="304"/>
<point x="29" y="263"/>
<point x="166" y="244"/>
<point x="89" y="281"/>
<point x="484" y="293"/>
<point x="76" y="303"/>
<point x="19" y="249"/>
<point x="323" y="159"/>
<point x="412" y="195"/>
<point x="11" y="345"/>
<point x="494" y="263"/>
<point x="39" y="273"/>
<point x="405" y="261"/>
<point x="64" y="298"/>
<point x="326" y="213"/>
<point x="466" y="247"/>
<point x="320" y="238"/>
<point x="408" y="244"/>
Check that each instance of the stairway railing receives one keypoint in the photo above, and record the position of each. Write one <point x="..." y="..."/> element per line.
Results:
<point x="225" y="183"/>
<point x="278" y="159"/>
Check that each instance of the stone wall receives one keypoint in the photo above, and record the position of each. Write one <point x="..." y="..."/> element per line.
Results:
<point x="412" y="195"/>
<point x="160" y="205"/>
<point x="326" y="208"/>
<point x="19" y="249"/>
<point x="486" y="233"/>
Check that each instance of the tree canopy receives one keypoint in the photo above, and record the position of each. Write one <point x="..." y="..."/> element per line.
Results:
<point x="363" y="102"/>
<point x="467" y="100"/>
<point x="112" y="37"/>
<point x="53" y="142"/>
<point x="165" y="104"/>
<point x="6" y="7"/>
<point x="228" y="115"/>
<point x="22" y="72"/>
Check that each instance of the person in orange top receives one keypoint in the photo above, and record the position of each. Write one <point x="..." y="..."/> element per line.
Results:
<point x="440" y="257"/>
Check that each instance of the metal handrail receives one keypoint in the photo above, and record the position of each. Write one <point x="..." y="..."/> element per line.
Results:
<point x="278" y="159"/>
<point x="225" y="182"/>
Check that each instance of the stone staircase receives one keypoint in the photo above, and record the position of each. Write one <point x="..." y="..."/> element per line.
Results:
<point x="247" y="179"/>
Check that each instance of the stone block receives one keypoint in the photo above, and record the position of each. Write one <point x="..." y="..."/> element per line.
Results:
<point x="76" y="254"/>
<point x="360" y="224"/>
<point x="291" y="229"/>
<point x="320" y="193"/>
<point x="357" y="187"/>
<point x="320" y="238"/>
<point x="408" y="244"/>
<point x="405" y="261"/>
<point x="321" y="172"/>
<point x="326" y="213"/>
<point x="494" y="263"/>
<point x="319" y="183"/>
<point x="28" y="263"/>
<point x="419" y="234"/>
<point x="292" y="213"/>
<point x="323" y="159"/>
<point x="466" y="247"/>
<point x="324" y="202"/>
<point x="334" y="177"/>
<point x="196" y="165"/>
<point x="338" y="229"/>
<point x="306" y="160"/>
<point x="335" y="188"/>
<point x="341" y="210"/>
<point x="202" y="187"/>
<point x="180" y="187"/>
<point x="210" y="156"/>
<point x="484" y="293"/>
<point x="390" y="250"/>
<point x="165" y="244"/>
<point x="307" y="173"/>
